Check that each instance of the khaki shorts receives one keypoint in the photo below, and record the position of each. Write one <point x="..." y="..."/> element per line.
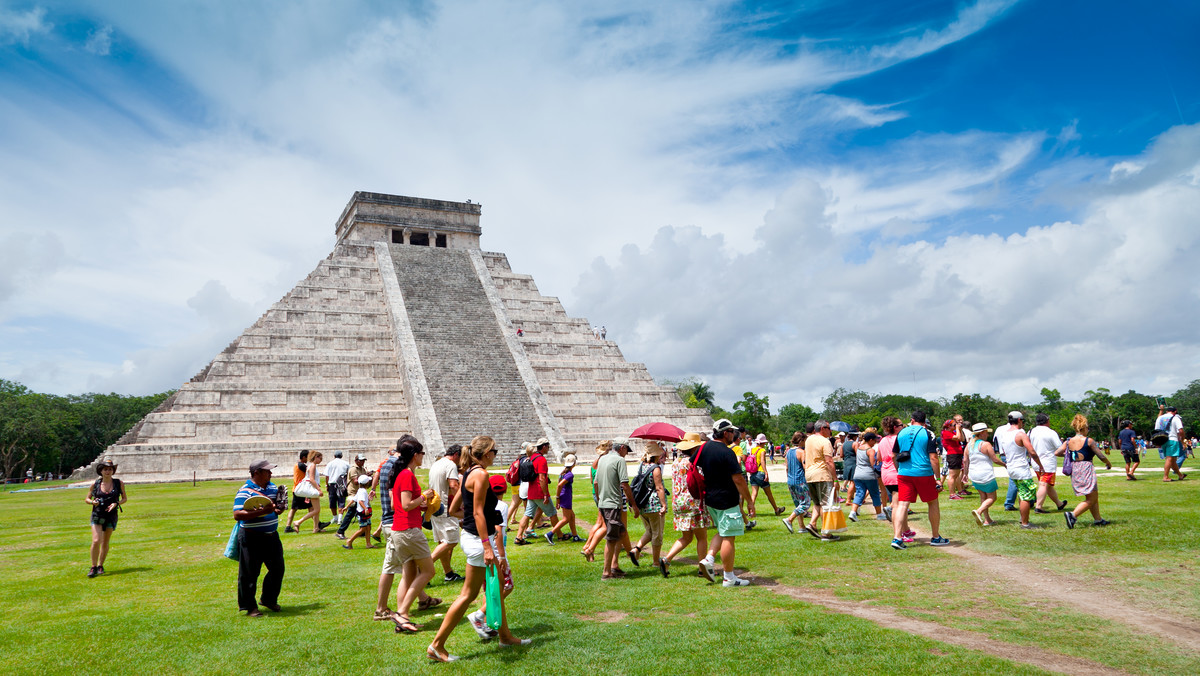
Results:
<point x="445" y="529"/>
<point x="404" y="546"/>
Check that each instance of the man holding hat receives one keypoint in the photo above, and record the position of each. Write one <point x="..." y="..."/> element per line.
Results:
<point x="258" y="541"/>
<point x="358" y="469"/>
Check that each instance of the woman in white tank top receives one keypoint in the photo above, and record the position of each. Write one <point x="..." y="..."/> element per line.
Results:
<point x="979" y="459"/>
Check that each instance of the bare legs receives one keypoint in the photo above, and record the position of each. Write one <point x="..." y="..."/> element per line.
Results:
<point x="454" y="614"/>
<point x="1043" y="490"/>
<point x="442" y="553"/>
<point x="700" y="535"/>
<point x="1091" y="501"/>
<point x="986" y="500"/>
<point x="100" y="538"/>
<point x="314" y="513"/>
<point x="417" y="574"/>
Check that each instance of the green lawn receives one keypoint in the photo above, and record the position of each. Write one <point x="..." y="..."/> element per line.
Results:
<point x="168" y="602"/>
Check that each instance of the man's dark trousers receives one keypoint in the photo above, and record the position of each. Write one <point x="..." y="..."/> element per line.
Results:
<point x="254" y="550"/>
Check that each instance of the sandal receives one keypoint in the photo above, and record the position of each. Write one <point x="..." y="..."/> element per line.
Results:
<point x="428" y="603"/>
<point x="385" y="614"/>
<point x="437" y="657"/>
<point x="404" y="625"/>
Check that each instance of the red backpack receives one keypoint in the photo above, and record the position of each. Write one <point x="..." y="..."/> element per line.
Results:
<point x="695" y="477"/>
<point x="512" y="476"/>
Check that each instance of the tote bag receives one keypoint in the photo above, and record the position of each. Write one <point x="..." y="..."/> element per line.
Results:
<point x="231" y="547"/>
<point x="306" y="489"/>
<point x="491" y="591"/>
<point x="832" y="518"/>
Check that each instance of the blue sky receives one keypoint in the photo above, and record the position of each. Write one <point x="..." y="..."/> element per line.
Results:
<point x="1014" y="179"/>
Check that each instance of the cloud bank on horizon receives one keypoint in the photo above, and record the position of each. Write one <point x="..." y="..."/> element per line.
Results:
<point x="981" y="197"/>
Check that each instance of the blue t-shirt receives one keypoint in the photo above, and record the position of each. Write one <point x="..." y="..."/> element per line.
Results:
<point x="795" y="467"/>
<point x="922" y="445"/>
<point x="262" y="524"/>
<point x="1127" y="436"/>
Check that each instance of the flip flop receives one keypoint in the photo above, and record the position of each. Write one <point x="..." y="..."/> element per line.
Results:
<point x="428" y="603"/>
<point x="404" y="625"/>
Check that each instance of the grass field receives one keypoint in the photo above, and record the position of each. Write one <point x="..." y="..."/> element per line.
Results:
<point x="168" y="601"/>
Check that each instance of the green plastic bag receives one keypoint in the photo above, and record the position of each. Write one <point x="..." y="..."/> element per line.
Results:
<point x="491" y="593"/>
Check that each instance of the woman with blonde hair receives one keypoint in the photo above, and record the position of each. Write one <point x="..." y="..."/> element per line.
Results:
<point x="482" y="542"/>
<point x="599" y="530"/>
<point x="314" y="510"/>
<point x="1083" y="474"/>
<point x="654" y="511"/>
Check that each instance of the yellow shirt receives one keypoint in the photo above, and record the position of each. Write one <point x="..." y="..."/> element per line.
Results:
<point x="760" y="458"/>
<point x="816" y="450"/>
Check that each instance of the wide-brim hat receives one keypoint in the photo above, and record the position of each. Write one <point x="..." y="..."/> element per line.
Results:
<point x="760" y="439"/>
<point x="654" y="449"/>
<point x="690" y="441"/>
<point x="980" y="427"/>
<point x="105" y="463"/>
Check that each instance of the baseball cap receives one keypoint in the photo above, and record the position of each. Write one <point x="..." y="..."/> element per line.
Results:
<point x="361" y="456"/>
<point x="543" y="441"/>
<point x="721" y="425"/>
<point x="364" y="479"/>
<point x="499" y="485"/>
<point x="260" y="465"/>
<point x="1016" y="414"/>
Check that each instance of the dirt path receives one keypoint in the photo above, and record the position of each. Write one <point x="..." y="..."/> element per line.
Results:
<point x="1077" y="594"/>
<point x="889" y="618"/>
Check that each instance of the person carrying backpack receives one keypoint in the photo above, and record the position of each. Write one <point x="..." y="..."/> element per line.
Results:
<point x="106" y="497"/>
<point x="1172" y="449"/>
<point x="535" y="472"/>
<point x="651" y="498"/>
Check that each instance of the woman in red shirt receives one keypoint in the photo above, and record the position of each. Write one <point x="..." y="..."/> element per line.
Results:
<point x="407" y="546"/>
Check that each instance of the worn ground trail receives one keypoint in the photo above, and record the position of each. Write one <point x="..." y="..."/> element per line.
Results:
<point x="889" y="618"/>
<point x="1076" y="594"/>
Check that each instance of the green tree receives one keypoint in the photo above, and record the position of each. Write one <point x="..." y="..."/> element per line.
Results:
<point x="753" y="413"/>
<point x="791" y="419"/>
<point x="694" y="393"/>
<point x="1187" y="400"/>
<point x="1051" y="400"/>
<point x="1101" y="413"/>
<point x="842" y="403"/>
<point x="1137" y="407"/>
<point x="30" y="427"/>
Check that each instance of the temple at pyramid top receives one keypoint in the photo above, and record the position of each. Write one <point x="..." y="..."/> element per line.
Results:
<point x="407" y="326"/>
<point x="375" y="217"/>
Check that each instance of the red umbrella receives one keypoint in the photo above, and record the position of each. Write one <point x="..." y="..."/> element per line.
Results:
<point x="659" y="431"/>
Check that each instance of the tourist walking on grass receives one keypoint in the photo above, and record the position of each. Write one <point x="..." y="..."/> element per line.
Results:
<point x="538" y="497"/>
<point x="258" y="540"/>
<point x="337" y="486"/>
<point x="1083" y="474"/>
<point x="866" y="479"/>
<point x="612" y="491"/>
<point x="599" y="529"/>
<point x="724" y="485"/>
<point x="888" y="476"/>
<point x="362" y="508"/>
<point x="820" y="472"/>
<point x="654" y="507"/>
<point x="758" y="477"/>
<point x="1045" y="443"/>
<point x="299" y="503"/>
<point x="106" y="496"/>
<point x="691" y="518"/>
<point x="482" y="543"/>
<point x="918" y="468"/>
<point x="357" y="471"/>
<point x="411" y="550"/>
<point x="312" y="476"/>
<point x="1172" y="451"/>
<point x="953" y="438"/>
<point x="565" y="490"/>
<point x="1129" y="449"/>
<point x="978" y="463"/>
<point x="443" y="479"/>
<point x="518" y="499"/>
<point x="797" y="483"/>
<point x="1018" y="451"/>
<point x="397" y="552"/>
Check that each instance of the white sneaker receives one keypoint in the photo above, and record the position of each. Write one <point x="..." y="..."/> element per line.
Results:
<point x="735" y="582"/>
<point x="706" y="568"/>
<point x="477" y="622"/>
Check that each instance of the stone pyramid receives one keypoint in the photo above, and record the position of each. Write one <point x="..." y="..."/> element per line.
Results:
<point x="407" y="326"/>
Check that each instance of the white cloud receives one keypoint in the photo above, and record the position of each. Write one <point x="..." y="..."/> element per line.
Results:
<point x="19" y="27"/>
<point x="100" y="41"/>
<point x="1069" y="305"/>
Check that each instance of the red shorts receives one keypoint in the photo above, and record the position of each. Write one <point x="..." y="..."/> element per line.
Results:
<point x="1046" y="478"/>
<point x="913" y="487"/>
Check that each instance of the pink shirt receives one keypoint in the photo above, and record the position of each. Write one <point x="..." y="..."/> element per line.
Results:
<point x="889" y="475"/>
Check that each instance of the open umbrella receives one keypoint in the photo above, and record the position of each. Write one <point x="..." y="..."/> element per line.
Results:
<point x="659" y="431"/>
<point x="839" y="426"/>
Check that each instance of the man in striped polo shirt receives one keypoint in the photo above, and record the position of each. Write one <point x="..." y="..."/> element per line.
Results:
<point x="258" y="542"/>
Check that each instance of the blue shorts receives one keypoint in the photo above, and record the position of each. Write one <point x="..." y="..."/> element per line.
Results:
<point x="988" y="487"/>
<point x="1172" y="449"/>
<point x="760" y="479"/>
<point x="728" y="521"/>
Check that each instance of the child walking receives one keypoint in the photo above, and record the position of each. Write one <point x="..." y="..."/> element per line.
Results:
<point x="362" y="502"/>
<point x="565" y="492"/>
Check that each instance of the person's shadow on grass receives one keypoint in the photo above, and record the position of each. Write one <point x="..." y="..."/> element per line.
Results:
<point x="299" y="610"/>
<point x="123" y="571"/>
<point x="541" y="634"/>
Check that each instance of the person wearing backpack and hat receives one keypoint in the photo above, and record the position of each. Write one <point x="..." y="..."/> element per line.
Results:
<point x="106" y="496"/>
<point x="654" y="504"/>
<point x="691" y="517"/>
<point x="537" y="473"/>
<point x="758" y="476"/>
<point x="724" y="485"/>
<point x="1172" y="451"/>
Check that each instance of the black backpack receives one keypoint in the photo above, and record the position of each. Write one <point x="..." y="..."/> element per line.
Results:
<point x="525" y="470"/>
<point x="643" y="486"/>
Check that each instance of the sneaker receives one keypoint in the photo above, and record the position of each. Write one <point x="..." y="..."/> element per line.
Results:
<point x="1027" y="526"/>
<point x="1009" y="508"/>
<point x="751" y="524"/>
<point x="1101" y="522"/>
<point x="955" y="496"/>
<point x="735" y="582"/>
<point x="939" y="542"/>
<point x="322" y="525"/>
<point x="853" y="517"/>
<point x="99" y="570"/>
<point x="706" y="569"/>
<point x="1071" y="519"/>
<point x="881" y="517"/>
<point x="92" y="571"/>
<point x="340" y="536"/>
<point x="550" y="538"/>
<point x="480" y="626"/>
<point x="788" y="525"/>
<point x="906" y="538"/>
<point x="887" y="511"/>
<point x="830" y="538"/>
<point x="899" y="544"/>
<point x="908" y="534"/>
<point x="576" y="538"/>
<point x="1062" y="506"/>
<point x="289" y="529"/>
<point x="452" y="577"/>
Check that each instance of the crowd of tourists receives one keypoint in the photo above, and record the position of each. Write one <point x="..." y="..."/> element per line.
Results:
<point x="707" y="482"/>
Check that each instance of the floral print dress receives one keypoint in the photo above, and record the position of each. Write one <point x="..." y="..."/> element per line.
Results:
<point x="689" y="512"/>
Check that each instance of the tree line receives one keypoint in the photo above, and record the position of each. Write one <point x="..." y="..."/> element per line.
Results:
<point x="861" y="409"/>
<point x="52" y="433"/>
